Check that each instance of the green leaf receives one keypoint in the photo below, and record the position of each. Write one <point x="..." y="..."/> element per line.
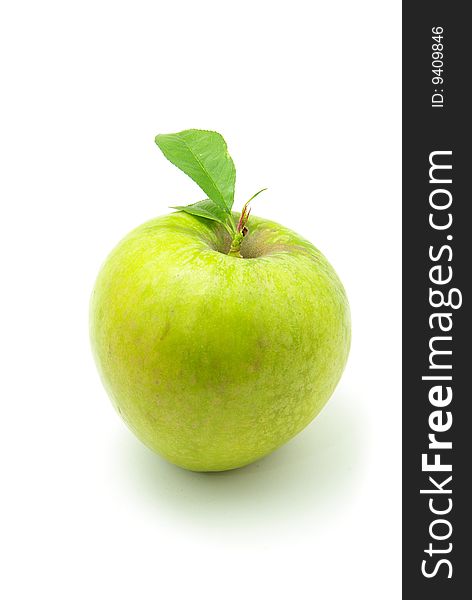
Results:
<point x="203" y="156"/>
<point x="207" y="209"/>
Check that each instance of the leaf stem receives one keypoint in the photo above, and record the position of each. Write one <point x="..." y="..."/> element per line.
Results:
<point x="229" y="226"/>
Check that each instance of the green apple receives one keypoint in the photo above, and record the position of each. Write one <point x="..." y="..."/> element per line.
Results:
<point x="216" y="356"/>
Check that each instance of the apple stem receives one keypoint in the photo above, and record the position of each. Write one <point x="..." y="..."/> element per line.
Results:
<point x="236" y="245"/>
<point x="241" y="231"/>
<point x="241" y="228"/>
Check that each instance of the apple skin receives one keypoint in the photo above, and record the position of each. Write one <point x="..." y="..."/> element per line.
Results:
<point x="214" y="361"/>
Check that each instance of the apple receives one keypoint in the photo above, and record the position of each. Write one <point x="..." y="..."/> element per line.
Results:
<point x="218" y="345"/>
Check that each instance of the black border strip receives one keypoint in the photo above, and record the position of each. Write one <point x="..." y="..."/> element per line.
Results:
<point x="430" y="256"/>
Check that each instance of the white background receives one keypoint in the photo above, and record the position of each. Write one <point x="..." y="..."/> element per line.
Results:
<point x="307" y="95"/>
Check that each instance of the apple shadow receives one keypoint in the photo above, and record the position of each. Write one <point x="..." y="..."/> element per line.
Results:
<point x="310" y="476"/>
